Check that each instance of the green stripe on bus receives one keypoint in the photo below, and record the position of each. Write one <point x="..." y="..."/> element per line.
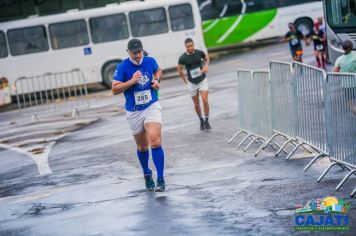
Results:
<point x="250" y="24"/>
<point x="218" y="30"/>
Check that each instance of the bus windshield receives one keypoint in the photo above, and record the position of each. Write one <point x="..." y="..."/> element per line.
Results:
<point x="341" y="13"/>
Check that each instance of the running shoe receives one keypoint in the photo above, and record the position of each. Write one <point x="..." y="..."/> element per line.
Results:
<point x="207" y="125"/>
<point x="150" y="184"/>
<point x="161" y="185"/>
<point x="202" y="126"/>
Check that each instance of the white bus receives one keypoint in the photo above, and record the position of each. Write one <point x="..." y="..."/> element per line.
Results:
<point x="228" y="23"/>
<point x="95" y="40"/>
<point x="341" y="25"/>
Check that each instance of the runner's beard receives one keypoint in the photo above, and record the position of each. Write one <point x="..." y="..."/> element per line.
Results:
<point x="137" y="61"/>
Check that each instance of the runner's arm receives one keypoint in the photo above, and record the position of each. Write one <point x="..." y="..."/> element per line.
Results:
<point x="206" y="64"/>
<point x="158" y="75"/>
<point x="118" y="87"/>
<point x="181" y="73"/>
<point x="157" y="79"/>
<point x="286" y="38"/>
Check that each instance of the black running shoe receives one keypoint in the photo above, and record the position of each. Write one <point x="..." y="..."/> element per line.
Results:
<point x="161" y="185"/>
<point x="150" y="184"/>
<point x="202" y="126"/>
<point x="207" y="125"/>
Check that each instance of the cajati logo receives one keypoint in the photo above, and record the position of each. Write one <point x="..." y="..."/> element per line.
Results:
<point x="329" y="214"/>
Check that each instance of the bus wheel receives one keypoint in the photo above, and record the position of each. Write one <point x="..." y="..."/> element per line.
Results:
<point x="304" y="25"/>
<point x="107" y="72"/>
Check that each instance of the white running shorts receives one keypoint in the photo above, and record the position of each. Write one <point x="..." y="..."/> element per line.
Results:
<point x="194" y="88"/>
<point x="137" y="119"/>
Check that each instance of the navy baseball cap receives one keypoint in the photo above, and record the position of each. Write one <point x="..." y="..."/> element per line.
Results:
<point x="134" y="45"/>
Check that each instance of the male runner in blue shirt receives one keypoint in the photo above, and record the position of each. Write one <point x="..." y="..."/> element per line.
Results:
<point x="138" y="77"/>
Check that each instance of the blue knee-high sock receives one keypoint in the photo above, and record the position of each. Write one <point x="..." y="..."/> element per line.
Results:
<point x="143" y="157"/>
<point x="158" y="160"/>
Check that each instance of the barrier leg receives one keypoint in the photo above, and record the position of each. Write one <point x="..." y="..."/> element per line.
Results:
<point x="353" y="193"/>
<point x="75" y="112"/>
<point x="263" y="147"/>
<point x="279" y="146"/>
<point x="313" y="160"/>
<point x="344" y="180"/>
<point x="235" y="135"/>
<point x="306" y="149"/>
<point x="283" y="146"/>
<point x="243" y="140"/>
<point x="294" y="150"/>
<point x="252" y="141"/>
<point x="326" y="171"/>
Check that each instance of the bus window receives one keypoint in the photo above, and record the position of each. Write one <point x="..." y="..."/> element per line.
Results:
<point x="148" y="22"/>
<point x="341" y="13"/>
<point x="27" y="40"/>
<point x="3" y="48"/>
<point x="108" y="28"/>
<point x="68" y="34"/>
<point x="181" y="17"/>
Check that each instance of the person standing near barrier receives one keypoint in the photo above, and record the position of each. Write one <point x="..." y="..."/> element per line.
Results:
<point x="319" y="38"/>
<point x="347" y="63"/>
<point x="138" y="77"/>
<point x="196" y="64"/>
<point x="294" y="37"/>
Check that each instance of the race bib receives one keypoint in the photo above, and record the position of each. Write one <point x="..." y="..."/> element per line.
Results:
<point x="194" y="73"/>
<point x="143" y="97"/>
<point x="294" y="42"/>
<point x="319" y="47"/>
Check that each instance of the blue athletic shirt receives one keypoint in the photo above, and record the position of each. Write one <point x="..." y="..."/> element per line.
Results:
<point x="124" y="72"/>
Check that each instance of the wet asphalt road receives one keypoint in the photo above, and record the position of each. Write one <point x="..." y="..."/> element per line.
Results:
<point x="95" y="185"/>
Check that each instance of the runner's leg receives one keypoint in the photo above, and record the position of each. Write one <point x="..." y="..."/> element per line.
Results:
<point x="204" y="95"/>
<point x="154" y="135"/>
<point x="317" y="58"/>
<point x="197" y="104"/>
<point x="198" y="110"/>
<point x="142" y="151"/>
<point x="143" y="156"/>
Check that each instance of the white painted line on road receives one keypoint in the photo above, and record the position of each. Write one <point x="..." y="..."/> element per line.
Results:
<point x="40" y="159"/>
<point x="22" y="135"/>
<point x="236" y="23"/>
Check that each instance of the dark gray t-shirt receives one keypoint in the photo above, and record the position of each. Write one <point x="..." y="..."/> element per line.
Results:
<point x="193" y="63"/>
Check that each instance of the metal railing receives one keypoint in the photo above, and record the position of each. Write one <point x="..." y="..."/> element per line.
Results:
<point x="309" y="87"/>
<point x="51" y="91"/>
<point x="254" y="108"/>
<point x="341" y="123"/>
<point x="305" y="106"/>
<point x="244" y="86"/>
<point x="283" y="106"/>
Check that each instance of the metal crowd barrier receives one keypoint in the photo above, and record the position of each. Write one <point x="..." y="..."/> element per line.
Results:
<point x="245" y="103"/>
<point x="262" y="117"/>
<point x="261" y="109"/>
<point x="254" y="110"/>
<point x="341" y="123"/>
<point x="306" y="107"/>
<point x="309" y="86"/>
<point x="283" y="106"/>
<point x="51" y="91"/>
